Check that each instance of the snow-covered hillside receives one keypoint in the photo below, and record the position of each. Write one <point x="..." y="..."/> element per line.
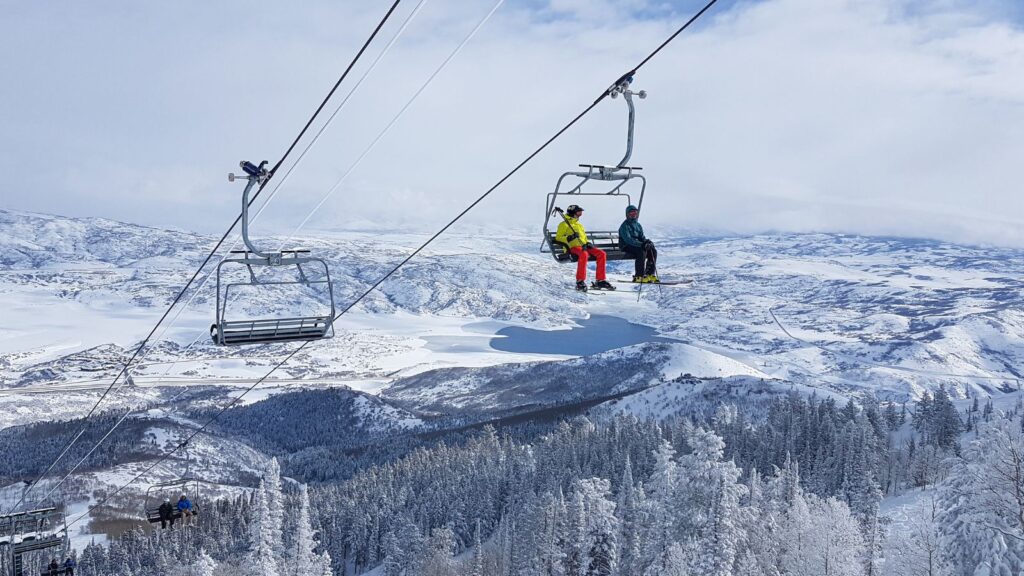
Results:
<point x="835" y="311"/>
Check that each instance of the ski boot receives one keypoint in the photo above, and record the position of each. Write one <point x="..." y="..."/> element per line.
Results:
<point x="581" y="286"/>
<point x="651" y="279"/>
<point x="603" y="285"/>
<point x="638" y="279"/>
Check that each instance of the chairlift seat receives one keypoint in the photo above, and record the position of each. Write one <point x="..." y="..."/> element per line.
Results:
<point x="602" y="240"/>
<point x="153" y="514"/>
<point x="273" y="330"/>
<point x="315" y="325"/>
<point x="31" y="545"/>
<point x="292" y="251"/>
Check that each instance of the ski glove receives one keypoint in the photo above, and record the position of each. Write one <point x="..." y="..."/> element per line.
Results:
<point x="571" y="237"/>
<point x="588" y="245"/>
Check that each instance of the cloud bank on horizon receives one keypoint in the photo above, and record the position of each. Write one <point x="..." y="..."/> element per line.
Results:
<point x="891" y="117"/>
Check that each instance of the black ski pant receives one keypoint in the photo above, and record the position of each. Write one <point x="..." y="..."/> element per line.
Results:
<point x="645" y="259"/>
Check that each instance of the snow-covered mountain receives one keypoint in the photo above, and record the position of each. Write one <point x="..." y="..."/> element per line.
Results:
<point x="480" y="329"/>
<point x="836" y="311"/>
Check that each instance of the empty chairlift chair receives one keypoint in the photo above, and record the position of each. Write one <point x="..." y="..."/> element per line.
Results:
<point x="619" y="175"/>
<point x="280" y="328"/>
<point x="32" y="531"/>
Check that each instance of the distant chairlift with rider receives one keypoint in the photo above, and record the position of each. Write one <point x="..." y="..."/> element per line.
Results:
<point x="158" y="507"/>
<point x="32" y="531"/>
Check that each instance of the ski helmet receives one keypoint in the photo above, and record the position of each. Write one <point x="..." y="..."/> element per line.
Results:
<point x="573" y="210"/>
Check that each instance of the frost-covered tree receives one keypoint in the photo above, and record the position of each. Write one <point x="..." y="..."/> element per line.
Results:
<point x="981" y="514"/>
<point x="937" y="420"/>
<point x="915" y="549"/>
<point x="439" y="552"/>
<point x="275" y="508"/>
<point x="672" y="561"/>
<point x="660" y="509"/>
<point x="393" y="564"/>
<point x="552" y="529"/>
<point x="305" y="557"/>
<point x="707" y="501"/>
<point x="601" y="526"/>
<point x="477" y="568"/>
<point x="202" y="565"/>
<point x="629" y="507"/>
<point x="821" y="538"/>
<point x="748" y="565"/>
<point x="262" y="534"/>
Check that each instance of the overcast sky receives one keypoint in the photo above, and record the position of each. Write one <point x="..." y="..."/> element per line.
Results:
<point x="892" y="117"/>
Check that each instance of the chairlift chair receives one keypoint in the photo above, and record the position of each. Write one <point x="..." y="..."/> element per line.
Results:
<point x="156" y="493"/>
<point x="227" y="331"/>
<point x="619" y="174"/>
<point x="32" y="531"/>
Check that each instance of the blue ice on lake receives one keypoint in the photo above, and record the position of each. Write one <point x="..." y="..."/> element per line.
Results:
<point x="596" y="334"/>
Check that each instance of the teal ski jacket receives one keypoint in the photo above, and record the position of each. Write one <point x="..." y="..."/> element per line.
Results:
<point x="631" y="233"/>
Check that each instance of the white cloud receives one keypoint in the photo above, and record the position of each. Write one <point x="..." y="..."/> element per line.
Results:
<point x="870" y="116"/>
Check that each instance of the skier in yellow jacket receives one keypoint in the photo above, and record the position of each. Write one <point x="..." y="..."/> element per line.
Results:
<point x="573" y="236"/>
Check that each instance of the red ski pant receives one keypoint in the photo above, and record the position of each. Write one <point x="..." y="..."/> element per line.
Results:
<point x="581" y="263"/>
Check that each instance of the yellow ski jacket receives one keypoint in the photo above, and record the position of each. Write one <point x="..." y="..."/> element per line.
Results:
<point x="564" y="231"/>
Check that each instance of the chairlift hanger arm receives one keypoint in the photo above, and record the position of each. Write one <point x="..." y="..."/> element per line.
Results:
<point x="253" y="175"/>
<point x="622" y="87"/>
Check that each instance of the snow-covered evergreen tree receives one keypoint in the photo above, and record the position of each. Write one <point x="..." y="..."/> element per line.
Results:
<point x="670" y="562"/>
<point x="709" y="500"/>
<point x="202" y="565"/>
<point x="981" y="514"/>
<point x="275" y="513"/>
<point x="477" y="568"/>
<point x="262" y="534"/>
<point x="439" y="552"/>
<point x="305" y="557"/>
<point x="600" y="532"/>
<point x="821" y="538"/>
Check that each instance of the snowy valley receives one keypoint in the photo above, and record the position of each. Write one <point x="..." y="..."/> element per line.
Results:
<point x="471" y="372"/>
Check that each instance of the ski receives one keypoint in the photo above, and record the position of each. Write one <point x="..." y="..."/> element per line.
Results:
<point x="682" y="282"/>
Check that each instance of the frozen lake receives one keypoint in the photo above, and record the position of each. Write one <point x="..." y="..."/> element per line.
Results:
<point x="596" y="334"/>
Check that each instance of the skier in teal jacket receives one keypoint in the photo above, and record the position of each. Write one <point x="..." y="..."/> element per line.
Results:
<point x="633" y="242"/>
